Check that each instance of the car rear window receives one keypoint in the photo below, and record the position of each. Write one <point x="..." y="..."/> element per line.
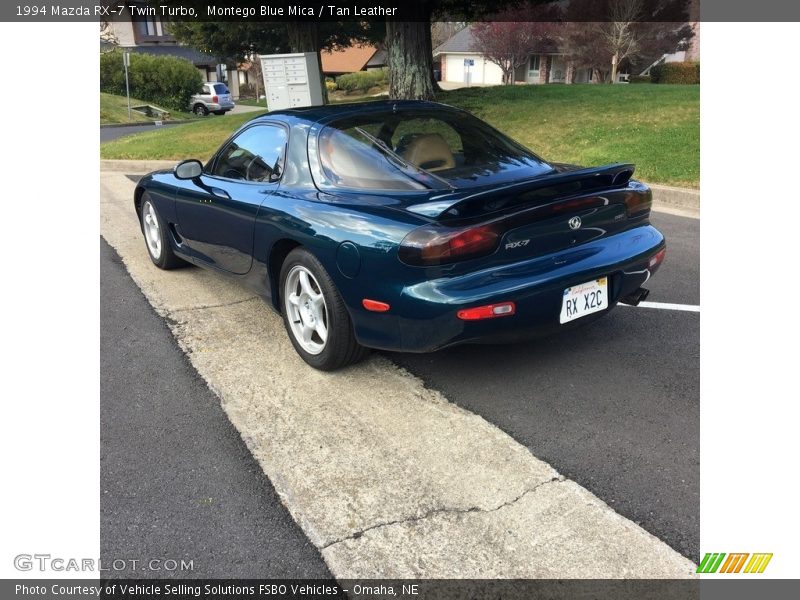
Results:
<point x="221" y="88"/>
<point x="416" y="149"/>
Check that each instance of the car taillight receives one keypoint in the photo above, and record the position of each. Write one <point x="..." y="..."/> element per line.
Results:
<point x="215" y="99"/>
<point x="657" y="258"/>
<point x="431" y="245"/>
<point x="638" y="202"/>
<point x="490" y="311"/>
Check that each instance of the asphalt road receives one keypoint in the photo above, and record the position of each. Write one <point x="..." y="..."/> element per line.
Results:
<point x="613" y="406"/>
<point x="177" y="481"/>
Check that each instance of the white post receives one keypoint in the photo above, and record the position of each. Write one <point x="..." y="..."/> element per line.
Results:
<point x="126" y="60"/>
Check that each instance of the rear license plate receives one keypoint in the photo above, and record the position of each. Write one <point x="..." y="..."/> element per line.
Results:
<point x="584" y="299"/>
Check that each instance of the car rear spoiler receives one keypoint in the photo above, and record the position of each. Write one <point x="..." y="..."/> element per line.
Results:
<point x="562" y="183"/>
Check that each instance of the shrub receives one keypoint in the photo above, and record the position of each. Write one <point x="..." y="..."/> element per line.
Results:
<point x="639" y="79"/>
<point x="330" y="85"/>
<point x="677" y="72"/>
<point x="166" y="81"/>
<point x="361" y="80"/>
<point x="247" y="90"/>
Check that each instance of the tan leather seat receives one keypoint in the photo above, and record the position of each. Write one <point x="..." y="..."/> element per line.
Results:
<point x="429" y="151"/>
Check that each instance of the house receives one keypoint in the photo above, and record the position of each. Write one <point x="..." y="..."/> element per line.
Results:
<point x="150" y="35"/>
<point x="462" y="62"/>
<point x="365" y="57"/>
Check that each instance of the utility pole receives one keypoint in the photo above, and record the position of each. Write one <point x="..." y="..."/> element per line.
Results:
<point x="126" y="61"/>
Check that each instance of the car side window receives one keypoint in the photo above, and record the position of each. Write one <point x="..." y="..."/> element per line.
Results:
<point x="205" y="90"/>
<point x="253" y="155"/>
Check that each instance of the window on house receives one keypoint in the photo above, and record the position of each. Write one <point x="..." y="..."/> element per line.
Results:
<point x="153" y="26"/>
<point x="534" y="63"/>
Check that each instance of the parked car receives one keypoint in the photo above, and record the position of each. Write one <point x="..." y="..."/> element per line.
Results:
<point x="407" y="226"/>
<point x="214" y="97"/>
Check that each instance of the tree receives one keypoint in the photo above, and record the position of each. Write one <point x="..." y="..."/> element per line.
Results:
<point x="515" y="35"/>
<point x="409" y="55"/>
<point x="409" y="46"/>
<point x="623" y="31"/>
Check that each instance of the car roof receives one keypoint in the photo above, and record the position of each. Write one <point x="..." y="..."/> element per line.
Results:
<point x="316" y="114"/>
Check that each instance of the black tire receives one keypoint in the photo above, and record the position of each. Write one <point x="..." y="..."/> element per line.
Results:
<point x="341" y="348"/>
<point x="200" y="110"/>
<point x="220" y="112"/>
<point x="164" y="258"/>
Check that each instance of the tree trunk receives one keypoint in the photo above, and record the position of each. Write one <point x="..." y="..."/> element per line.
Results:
<point x="614" y="60"/>
<point x="304" y="37"/>
<point x="410" y="58"/>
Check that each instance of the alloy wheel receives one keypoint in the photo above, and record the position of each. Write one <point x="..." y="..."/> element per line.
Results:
<point x="152" y="231"/>
<point x="305" y="307"/>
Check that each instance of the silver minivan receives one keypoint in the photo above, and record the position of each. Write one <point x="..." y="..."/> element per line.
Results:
<point x="215" y="97"/>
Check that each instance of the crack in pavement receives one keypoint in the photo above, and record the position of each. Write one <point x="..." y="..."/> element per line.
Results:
<point x="206" y="306"/>
<point x="443" y="510"/>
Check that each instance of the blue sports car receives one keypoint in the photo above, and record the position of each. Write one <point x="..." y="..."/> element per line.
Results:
<point x="406" y="226"/>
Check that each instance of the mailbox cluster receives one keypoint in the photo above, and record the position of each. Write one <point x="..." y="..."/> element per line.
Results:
<point x="291" y="80"/>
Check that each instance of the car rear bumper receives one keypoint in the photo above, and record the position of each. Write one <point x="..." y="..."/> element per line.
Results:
<point x="425" y="318"/>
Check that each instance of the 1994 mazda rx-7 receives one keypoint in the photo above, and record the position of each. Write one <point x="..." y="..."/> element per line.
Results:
<point x="405" y="226"/>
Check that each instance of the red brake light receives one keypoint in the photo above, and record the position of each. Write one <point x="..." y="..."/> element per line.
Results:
<point x="215" y="99"/>
<point x="439" y="245"/>
<point x="490" y="311"/>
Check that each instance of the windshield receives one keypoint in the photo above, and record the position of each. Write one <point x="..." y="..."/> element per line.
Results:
<point x="421" y="150"/>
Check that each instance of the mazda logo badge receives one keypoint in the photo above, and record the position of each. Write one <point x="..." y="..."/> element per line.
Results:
<point x="575" y="223"/>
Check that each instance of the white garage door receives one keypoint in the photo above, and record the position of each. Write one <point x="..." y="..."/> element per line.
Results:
<point x="480" y="71"/>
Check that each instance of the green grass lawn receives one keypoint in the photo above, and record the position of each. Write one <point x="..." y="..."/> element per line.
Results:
<point x="252" y="102"/>
<point x="657" y="127"/>
<point x="114" y="109"/>
<point x="193" y="140"/>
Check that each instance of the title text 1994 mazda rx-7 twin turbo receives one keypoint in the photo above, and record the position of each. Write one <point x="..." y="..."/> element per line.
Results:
<point x="405" y="226"/>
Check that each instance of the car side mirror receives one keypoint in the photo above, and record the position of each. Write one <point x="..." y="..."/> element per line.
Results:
<point x="188" y="169"/>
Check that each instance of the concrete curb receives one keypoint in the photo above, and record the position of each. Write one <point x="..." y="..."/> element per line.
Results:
<point x="674" y="200"/>
<point x="136" y="167"/>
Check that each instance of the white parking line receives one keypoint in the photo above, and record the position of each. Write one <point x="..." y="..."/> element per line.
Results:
<point x="669" y="306"/>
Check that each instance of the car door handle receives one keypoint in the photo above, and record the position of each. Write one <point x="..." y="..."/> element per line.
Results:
<point x="220" y="193"/>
